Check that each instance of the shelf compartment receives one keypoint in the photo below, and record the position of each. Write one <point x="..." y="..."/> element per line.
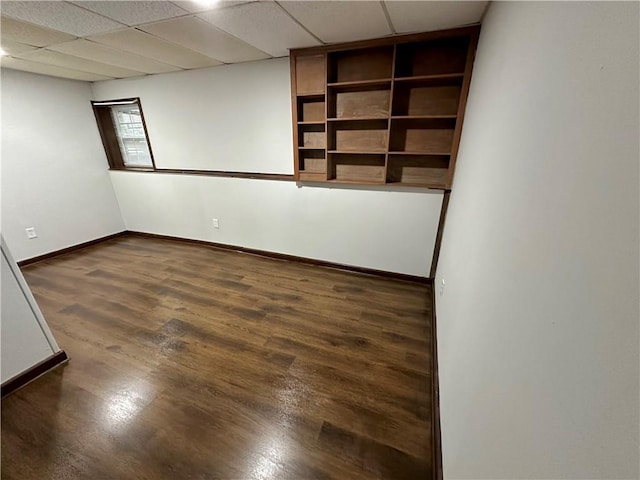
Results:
<point x="429" y="136"/>
<point x="355" y="119"/>
<point x="424" y="117"/>
<point x="311" y="109"/>
<point x="310" y="74"/>
<point x="370" y="101"/>
<point x="432" y="57"/>
<point x="312" y="162"/>
<point x="415" y="99"/>
<point x="361" y="64"/>
<point x="360" y="85"/>
<point x="312" y="136"/>
<point x="432" y="80"/>
<point x="355" y="152"/>
<point x="312" y="177"/>
<point x="358" y="135"/>
<point x="418" y="170"/>
<point x="366" y="168"/>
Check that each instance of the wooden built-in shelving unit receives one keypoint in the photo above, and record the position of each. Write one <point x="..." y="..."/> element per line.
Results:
<point x="385" y="111"/>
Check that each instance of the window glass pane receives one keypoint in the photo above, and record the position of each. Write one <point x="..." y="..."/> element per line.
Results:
<point x="131" y="138"/>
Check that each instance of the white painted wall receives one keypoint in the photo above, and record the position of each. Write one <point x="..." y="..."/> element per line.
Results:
<point x="25" y="337"/>
<point x="392" y="231"/>
<point x="538" y="324"/>
<point x="54" y="169"/>
<point x="234" y="117"/>
<point x="238" y="117"/>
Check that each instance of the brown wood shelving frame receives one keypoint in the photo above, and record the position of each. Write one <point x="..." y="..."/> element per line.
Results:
<point x="415" y="84"/>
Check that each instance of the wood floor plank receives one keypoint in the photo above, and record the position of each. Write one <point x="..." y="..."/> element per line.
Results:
<point x="194" y="362"/>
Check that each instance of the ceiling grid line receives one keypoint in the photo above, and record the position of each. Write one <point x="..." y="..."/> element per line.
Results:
<point x="85" y="6"/>
<point x="386" y="14"/>
<point x="94" y="13"/>
<point x="29" y="56"/>
<point x="231" y="35"/>
<point x="61" y="16"/>
<point x="160" y="40"/>
<point x="107" y="48"/>
<point x="185" y="35"/>
<point x="299" y="23"/>
<point x="94" y="41"/>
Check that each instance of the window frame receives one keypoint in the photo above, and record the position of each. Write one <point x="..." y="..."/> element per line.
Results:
<point x="108" y="134"/>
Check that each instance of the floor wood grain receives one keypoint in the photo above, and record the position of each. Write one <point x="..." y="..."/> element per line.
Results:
<point x="190" y="362"/>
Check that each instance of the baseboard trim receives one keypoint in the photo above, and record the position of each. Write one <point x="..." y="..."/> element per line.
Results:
<point x="435" y="390"/>
<point x="28" y="376"/>
<point x="73" y="248"/>
<point x="253" y="251"/>
<point x="291" y="258"/>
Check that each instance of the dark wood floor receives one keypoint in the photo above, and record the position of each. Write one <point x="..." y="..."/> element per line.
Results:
<point x="189" y="362"/>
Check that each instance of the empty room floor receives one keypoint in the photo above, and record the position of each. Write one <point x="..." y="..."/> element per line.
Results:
<point x="191" y="362"/>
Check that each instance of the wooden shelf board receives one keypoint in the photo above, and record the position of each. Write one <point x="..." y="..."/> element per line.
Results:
<point x="364" y="83"/>
<point x="353" y="182"/>
<point x="313" y="94"/>
<point x="443" y="76"/>
<point x="356" y="119"/>
<point x="440" y="186"/>
<point x="311" y="148"/>
<point x="312" y="123"/>
<point x="439" y="154"/>
<point x="351" y="152"/>
<point x="424" y="117"/>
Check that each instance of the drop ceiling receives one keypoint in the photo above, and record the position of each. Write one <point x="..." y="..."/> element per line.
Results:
<point x="102" y="40"/>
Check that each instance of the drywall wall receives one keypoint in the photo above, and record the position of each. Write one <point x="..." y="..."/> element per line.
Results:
<point x="538" y="320"/>
<point x="54" y="170"/>
<point x="233" y="117"/>
<point x="25" y="337"/>
<point x="238" y="117"/>
<point x="391" y="231"/>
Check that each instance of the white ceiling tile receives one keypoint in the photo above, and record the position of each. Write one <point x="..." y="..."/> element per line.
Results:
<point x="263" y="25"/>
<point x="197" y="6"/>
<point x="198" y="35"/>
<point x="134" y="12"/>
<point x="15" y="48"/>
<point x="59" y="15"/>
<point x="141" y="43"/>
<point x="101" y="53"/>
<point x="30" y="34"/>
<point x="77" y="63"/>
<point x="414" y="16"/>
<point x="340" y="21"/>
<point x="36" y="67"/>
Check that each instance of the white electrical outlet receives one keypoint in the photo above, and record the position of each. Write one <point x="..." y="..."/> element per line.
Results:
<point x="442" y="287"/>
<point x="31" y="232"/>
<point x="216" y="223"/>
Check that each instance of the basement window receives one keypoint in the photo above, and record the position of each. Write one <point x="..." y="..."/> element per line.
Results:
<point x="124" y="134"/>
